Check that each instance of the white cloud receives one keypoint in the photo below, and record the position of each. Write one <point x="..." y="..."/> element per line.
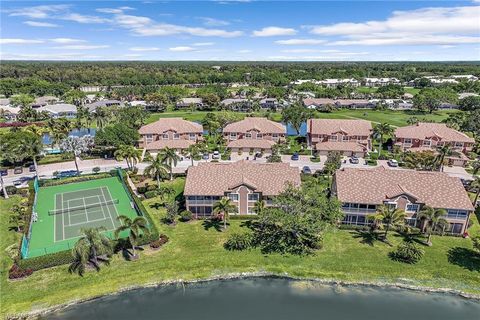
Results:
<point x="144" y="49"/>
<point x="38" y="12"/>
<point x="114" y="10"/>
<point x="274" y="31"/>
<point x="19" y="41"/>
<point x="80" y="18"/>
<point x="203" y="44"/>
<point x="40" y="24"/>
<point x="212" y="22"/>
<point x="66" y="40"/>
<point x="428" y="26"/>
<point x="182" y="49"/>
<point x="300" y="41"/>
<point x="50" y="56"/>
<point x="82" y="47"/>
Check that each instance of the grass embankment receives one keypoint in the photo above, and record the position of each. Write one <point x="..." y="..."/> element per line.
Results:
<point x="395" y="118"/>
<point x="195" y="250"/>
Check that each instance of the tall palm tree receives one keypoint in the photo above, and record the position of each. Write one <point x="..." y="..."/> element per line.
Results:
<point x="135" y="228"/>
<point x="130" y="154"/>
<point x="433" y="220"/>
<point x="389" y="217"/>
<point x="88" y="248"/>
<point x="476" y="185"/>
<point x="224" y="206"/>
<point x="83" y="118"/>
<point x="36" y="130"/>
<point x="381" y="130"/>
<point x="101" y="117"/>
<point x="444" y="151"/>
<point x="156" y="169"/>
<point x="31" y="146"/>
<point x="193" y="151"/>
<point x="170" y="157"/>
<point x="259" y="206"/>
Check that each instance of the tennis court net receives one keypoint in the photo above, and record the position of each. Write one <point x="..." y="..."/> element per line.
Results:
<point x="79" y="208"/>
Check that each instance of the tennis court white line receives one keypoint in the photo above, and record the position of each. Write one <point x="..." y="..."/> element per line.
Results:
<point x="63" y="218"/>
<point x="108" y="207"/>
<point x="103" y="210"/>
<point x="76" y="224"/>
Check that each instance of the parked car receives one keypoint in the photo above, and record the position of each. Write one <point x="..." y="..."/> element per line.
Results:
<point x="17" y="183"/>
<point x="392" y="163"/>
<point x="216" y="155"/>
<point x="354" y="160"/>
<point x="206" y="156"/>
<point x="295" y="156"/>
<point x="306" y="170"/>
<point x="4" y="172"/>
<point x="66" y="174"/>
<point x="18" y="170"/>
<point x="31" y="168"/>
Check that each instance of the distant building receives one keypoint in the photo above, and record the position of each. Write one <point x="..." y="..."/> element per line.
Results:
<point x="103" y="103"/>
<point x="269" y="103"/>
<point x="197" y="103"/>
<point x="59" y="110"/>
<point x="380" y="82"/>
<point x="43" y="101"/>
<point x="237" y="104"/>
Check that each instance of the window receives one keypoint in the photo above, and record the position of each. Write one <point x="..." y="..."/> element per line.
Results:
<point x="176" y="136"/>
<point x="233" y="135"/>
<point x="148" y="138"/>
<point x="259" y="136"/>
<point x="253" y="197"/>
<point x="275" y="136"/>
<point x="248" y="136"/>
<point x="457" y="214"/>
<point x="333" y="138"/>
<point x="458" y="144"/>
<point x="440" y="143"/>
<point x="391" y="205"/>
<point x="192" y="136"/>
<point x="233" y="196"/>
<point x="407" y="141"/>
<point x="427" y="143"/>
<point x="344" y="138"/>
<point x="412" y="207"/>
<point x="251" y="210"/>
<point x="165" y="136"/>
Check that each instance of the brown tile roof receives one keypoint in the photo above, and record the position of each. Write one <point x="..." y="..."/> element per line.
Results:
<point x="317" y="101"/>
<point x="427" y="130"/>
<point x="340" y="146"/>
<point x="174" y="144"/>
<point x="218" y="178"/>
<point x="330" y="126"/>
<point x="171" y="124"/>
<point x="251" y="143"/>
<point x="373" y="186"/>
<point x="458" y="155"/>
<point x="263" y="125"/>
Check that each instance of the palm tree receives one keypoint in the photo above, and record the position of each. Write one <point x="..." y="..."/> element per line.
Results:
<point x="170" y="157"/>
<point x="101" y="117"/>
<point x="224" y="206"/>
<point x="381" y="130"/>
<point x="31" y="146"/>
<point x="476" y="185"/>
<point x="443" y="151"/>
<point x="434" y="219"/>
<point x="259" y="206"/>
<point x="130" y="154"/>
<point x="193" y="151"/>
<point x="88" y="248"/>
<point x="156" y="169"/>
<point x="83" y="117"/>
<point x="388" y="216"/>
<point x="135" y="228"/>
<point x="475" y="166"/>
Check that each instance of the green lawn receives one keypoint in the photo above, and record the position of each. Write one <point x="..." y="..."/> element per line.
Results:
<point x="395" y="118"/>
<point x="195" y="251"/>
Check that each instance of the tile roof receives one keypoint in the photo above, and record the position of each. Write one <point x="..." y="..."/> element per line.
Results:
<point x="190" y="100"/>
<point x="174" y="144"/>
<point x="251" y="143"/>
<point x="374" y="186"/>
<point x="263" y="125"/>
<point x="58" y="108"/>
<point x="171" y="124"/>
<point x="329" y="126"/>
<point x="424" y="130"/>
<point x="340" y="146"/>
<point x="217" y="178"/>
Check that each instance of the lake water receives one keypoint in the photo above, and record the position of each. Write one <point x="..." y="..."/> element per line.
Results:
<point x="271" y="298"/>
<point x="74" y="133"/>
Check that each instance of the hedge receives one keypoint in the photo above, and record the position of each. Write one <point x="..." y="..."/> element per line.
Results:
<point x="243" y="217"/>
<point x="46" y="261"/>
<point x="57" y="182"/>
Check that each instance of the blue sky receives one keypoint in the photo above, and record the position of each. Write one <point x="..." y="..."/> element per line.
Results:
<point x="240" y="30"/>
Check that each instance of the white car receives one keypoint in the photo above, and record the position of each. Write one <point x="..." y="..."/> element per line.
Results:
<point x="216" y="155"/>
<point x="392" y="163"/>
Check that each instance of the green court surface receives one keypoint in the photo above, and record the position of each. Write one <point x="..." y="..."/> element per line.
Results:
<point x="65" y="209"/>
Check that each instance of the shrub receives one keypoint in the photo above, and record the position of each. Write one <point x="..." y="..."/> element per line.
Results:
<point x="11" y="190"/>
<point x="159" y="242"/>
<point x="16" y="272"/>
<point x="150" y="194"/>
<point x="238" y="241"/>
<point x="407" y="252"/>
<point x="46" y="261"/>
<point x="141" y="190"/>
<point x="186" y="216"/>
<point x="96" y="170"/>
<point x="88" y="177"/>
<point x="151" y="187"/>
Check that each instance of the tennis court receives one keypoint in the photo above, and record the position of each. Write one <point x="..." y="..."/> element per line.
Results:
<point x="65" y="209"/>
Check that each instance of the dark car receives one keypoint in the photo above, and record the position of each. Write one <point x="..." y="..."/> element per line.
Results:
<point x="306" y="170"/>
<point x="4" y="172"/>
<point x="18" y="170"/>
<point x="295" y="156"/>
<point x="67" y="174"/>
<point x="206" y="156"/>
<point x="354" y="160"/>
<point x="31" y="168"/>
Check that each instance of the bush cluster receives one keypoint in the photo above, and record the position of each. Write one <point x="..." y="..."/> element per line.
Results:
<point x="150" y="194"/>
<point x="186" y="216"/>
<point x="56" y="182"/>
<point x="238" y="241"/>
<point x="159" y="242"/>
<point x="407" y="252"/>
<point x="16" y="272"/>
<point x="46" y="261"/>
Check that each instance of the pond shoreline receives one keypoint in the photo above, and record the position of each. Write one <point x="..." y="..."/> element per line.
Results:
<point x="236" y="276"/>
